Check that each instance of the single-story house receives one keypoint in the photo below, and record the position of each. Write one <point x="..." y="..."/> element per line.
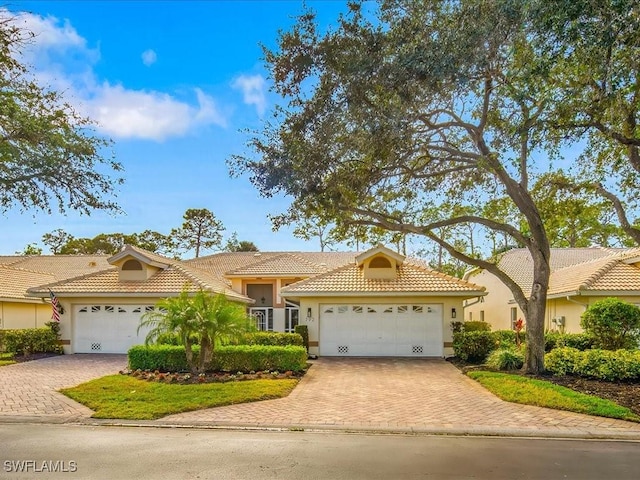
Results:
<point x="376" y="303"/>
<point x="579" y="277"/>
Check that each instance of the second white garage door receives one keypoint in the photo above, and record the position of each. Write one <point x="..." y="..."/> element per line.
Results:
<point x="401" y="330"/>
<point x="108" y="328"/>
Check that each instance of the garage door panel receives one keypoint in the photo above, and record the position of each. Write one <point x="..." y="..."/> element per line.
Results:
<point x="108" y="328"/>
<point x="381" y="330"/>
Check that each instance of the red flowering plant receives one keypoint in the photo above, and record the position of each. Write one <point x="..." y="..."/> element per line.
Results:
<point x="518" y="326"/>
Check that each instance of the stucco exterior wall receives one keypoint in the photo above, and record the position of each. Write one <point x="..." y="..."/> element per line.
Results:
<point x="495" y="308"/>
<point x="24" y="315"/>
<point x="313" y="322"/>
<point x="498" y="303"/>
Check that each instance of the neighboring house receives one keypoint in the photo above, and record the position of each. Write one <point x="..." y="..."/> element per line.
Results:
<point x="579" y="277"/>
<point x="376" y="303"/>
<point x="18" y="273"/>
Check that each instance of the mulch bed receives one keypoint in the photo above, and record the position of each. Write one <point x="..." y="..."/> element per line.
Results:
<point x="33" y="356"/>
<point x="184" y="378"/>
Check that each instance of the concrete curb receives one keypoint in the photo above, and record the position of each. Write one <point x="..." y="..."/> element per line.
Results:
<point x="595" y="434"/>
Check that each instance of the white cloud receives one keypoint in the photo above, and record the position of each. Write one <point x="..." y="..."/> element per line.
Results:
<point x="63" y="61"/>
<point x="253" y="91"/>
<point x="149" y="57"/>
<point x="124" y="113"/>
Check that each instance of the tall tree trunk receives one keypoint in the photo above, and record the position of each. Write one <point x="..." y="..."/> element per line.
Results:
<point x="536" y="314"/>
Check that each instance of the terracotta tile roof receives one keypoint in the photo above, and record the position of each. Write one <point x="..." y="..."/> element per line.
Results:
<point x="280" y="265"/>
<point x="271" y="263"/>
<point x="517" y="263"/>
<point x="14" y="282"/>
<point x="607" y="274"/>
<point x="166" y="282"/>
<point x="411" y="279"/>
<point x="60" y="266"/>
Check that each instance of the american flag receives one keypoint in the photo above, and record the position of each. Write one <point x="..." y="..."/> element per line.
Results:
<point x="55" y="307"/>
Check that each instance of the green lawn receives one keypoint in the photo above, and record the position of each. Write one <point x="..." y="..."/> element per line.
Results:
<point x="124" y="397"/>
<point x="529" y="391"/>
<point x="6" y="359"/>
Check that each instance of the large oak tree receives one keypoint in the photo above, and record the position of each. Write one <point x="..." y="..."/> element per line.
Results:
<point x="49" y="158"/>
<point x="411" y="118"/>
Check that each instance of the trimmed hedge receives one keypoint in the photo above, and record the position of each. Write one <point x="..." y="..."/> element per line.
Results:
<point x="231" y="358"/>
<point x="609" y="365"/>
<point x="247" y="358"/>
<point x="271" y="338"/>
<point x="165" y="358"/>
<point x="29" y="340"/>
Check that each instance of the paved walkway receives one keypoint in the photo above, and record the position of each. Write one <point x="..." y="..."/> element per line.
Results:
<point x="398" y="395"/>
<point x="402" y="395"/>
<point x="28" y="391"/>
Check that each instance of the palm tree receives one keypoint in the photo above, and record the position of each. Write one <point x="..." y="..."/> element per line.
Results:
<point x="203" y="318"/>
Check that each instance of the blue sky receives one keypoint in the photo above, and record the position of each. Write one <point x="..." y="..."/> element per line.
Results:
<point x="173" y="84"/>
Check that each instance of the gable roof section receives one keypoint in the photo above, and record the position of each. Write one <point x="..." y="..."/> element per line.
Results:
<point x="141" y="254"/>
<point x="377" y="250"/>
<point x="18" y="273"/>
<point x="166" y="282"/>
<point x="517" y="263"/>
<point x="411" y="280"/>
<point x="607" y="275"/>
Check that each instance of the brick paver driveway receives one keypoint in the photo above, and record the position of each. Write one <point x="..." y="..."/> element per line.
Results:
<point x="29" y="389"/>
<point x="402" y="394"/>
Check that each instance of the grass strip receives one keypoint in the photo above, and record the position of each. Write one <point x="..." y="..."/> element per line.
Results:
<point x="124" y="397"/>
<point x="6" y="359"/>
<point x="530" y="391"/>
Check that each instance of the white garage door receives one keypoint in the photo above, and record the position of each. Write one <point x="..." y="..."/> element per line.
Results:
<point x="402" y="330"/>
<point x="108" y="328"/>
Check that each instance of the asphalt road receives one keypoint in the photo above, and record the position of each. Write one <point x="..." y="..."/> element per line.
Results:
<point x="68" y="451"/>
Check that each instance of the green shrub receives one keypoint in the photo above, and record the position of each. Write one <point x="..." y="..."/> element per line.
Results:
<point x="165" y="358"/>
<point x="247" y="358"/>
<point x="561" y="360"/>
<point x="271" y="338"/>
<point x="303" y="331"/>
<point x="30" y="340"/>
<point x="581" y="341"/>
<point x="506" y="359"/>
<point x="613" y="323"/>
<point x="231" y="358"/>
<point x="609" y="365"/>
<point x="476" y="327"/>
<point x="473" y="346"/>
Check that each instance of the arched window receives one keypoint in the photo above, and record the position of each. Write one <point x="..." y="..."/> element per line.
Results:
<point x="132" y="265"/>
<point x="380" y="262"/>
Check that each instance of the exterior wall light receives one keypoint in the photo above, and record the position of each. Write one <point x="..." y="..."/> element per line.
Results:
<point x="453" y="313"/>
